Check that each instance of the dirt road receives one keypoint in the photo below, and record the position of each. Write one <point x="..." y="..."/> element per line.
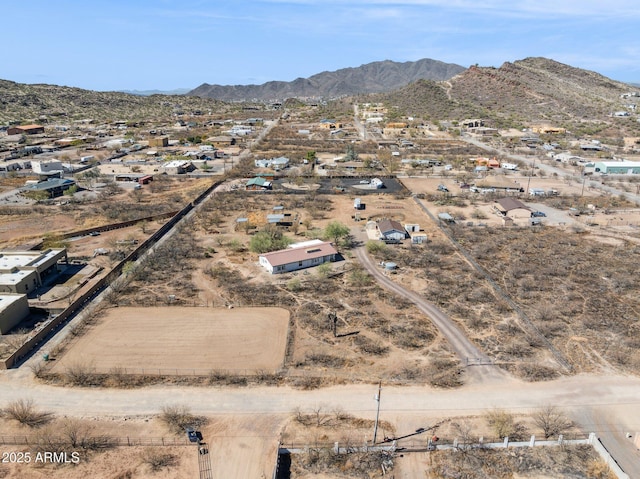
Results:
<point x="479" y="368"/>
<point x="616" y="400"/>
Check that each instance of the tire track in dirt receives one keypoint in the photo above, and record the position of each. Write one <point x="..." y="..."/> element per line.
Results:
<point x="468" y="352"/>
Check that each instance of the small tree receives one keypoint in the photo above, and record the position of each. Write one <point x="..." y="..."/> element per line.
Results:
<point x="351" y="154"/>
<point x="502" y="423"/>
<point x="336" y="231"/>
<point x="324" y="270"/>
<point x="551" y="421"/>
<point x="269" y="239"/>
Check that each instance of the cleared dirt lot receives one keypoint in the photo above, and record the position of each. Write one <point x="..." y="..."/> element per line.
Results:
<point x="181" y="338"/>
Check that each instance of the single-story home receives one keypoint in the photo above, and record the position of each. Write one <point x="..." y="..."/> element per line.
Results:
<point x="513" y="208"/>
<point x="258" y="183"/>
<point x="178" y="167"/>
<point x="52" y="187"/>
<point x="391" y="230"/>
<point x="303" y="256"/>
<point x="25" y="130"/>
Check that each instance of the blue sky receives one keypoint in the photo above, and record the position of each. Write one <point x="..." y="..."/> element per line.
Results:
<point x="166" y="44"/>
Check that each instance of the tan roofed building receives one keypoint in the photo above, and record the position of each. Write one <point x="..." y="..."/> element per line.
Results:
<point x="297" y="257"/>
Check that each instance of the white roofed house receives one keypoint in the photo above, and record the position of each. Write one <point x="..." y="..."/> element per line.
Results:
<point x="300" y="256"/>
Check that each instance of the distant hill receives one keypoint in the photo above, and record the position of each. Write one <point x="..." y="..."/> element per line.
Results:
<point x="177" y="91"/>
<point x="19" y="101"/>
<point x="525" y="91"/>
<point x="370" y="78"/>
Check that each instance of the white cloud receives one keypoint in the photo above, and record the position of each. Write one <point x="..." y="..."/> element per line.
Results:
<point x="535" y="8"/>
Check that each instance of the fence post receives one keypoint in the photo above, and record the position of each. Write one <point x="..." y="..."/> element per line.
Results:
<point x="506" y="442"/>
<point x="532" y="441"/>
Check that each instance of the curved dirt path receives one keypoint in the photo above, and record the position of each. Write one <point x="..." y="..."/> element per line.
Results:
<point x="479" y="367"/>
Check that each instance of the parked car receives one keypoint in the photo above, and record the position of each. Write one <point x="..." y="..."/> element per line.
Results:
<point x="538" y="214"/>
<point x="443" y="188"/>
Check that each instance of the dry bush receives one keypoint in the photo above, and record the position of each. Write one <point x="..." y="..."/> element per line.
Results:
<point x="369" y="346"/>
<point x="444" y="373"/>
<point x="536" y="372"/>
<point x="325" y="360"/>
<point x="79" y="374"/>
<point x="327" y="462"/>
<point x="178" y="418"/>
<point x="504" y="424"/>
<point x="551" y="421"/>
<point x="72" y="435"/>
<point x="598" y="469"/>
<point x="307" y="382"/>
<point x="25" y="412"/>
<point x="157" y="459"/>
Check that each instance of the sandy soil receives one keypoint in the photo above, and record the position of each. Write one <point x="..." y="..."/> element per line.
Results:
<point x="182" y="339"/>
<point x="239" y="446"/>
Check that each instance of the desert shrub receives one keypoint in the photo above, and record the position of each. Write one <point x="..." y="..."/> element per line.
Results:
<point x="178" y="418"/>
<point x="25" y="412"/>
<point x="72" y="435"/>
<point x="504" y="424"/>
<point x="369" y="346"/>
<point x="307" y="382"/>
<point x="79" y="374"/>
<point x="327" y="360"/>
<point x="444" y="372"/>
<point x="157" y="459"/>
<point x="375" y="247"/>
<point x="359" y="278"/>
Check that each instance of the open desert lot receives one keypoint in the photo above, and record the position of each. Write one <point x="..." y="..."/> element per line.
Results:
<point x="177" y="338"/>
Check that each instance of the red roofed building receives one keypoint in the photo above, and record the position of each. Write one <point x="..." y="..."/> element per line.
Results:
<point x="25" y="130"/>
<point x="303" y="256"/>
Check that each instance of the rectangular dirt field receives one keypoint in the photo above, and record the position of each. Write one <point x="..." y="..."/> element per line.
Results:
<point x="177" y="340"/>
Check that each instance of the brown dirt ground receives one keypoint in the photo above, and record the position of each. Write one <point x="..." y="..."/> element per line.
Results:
<point x="239" y="446"/>
<point x="182" y="339"/>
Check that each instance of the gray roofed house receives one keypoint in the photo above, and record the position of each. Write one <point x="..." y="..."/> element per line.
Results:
<point x="391" y="230"/>
<point x="53" y="187"/>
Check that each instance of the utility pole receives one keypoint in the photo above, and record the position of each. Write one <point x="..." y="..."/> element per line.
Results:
<point x="531" y="174"/>
<point x="375" y="427"/>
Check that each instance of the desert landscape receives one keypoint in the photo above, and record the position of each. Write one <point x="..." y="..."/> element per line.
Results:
<point x="432" y="277"/>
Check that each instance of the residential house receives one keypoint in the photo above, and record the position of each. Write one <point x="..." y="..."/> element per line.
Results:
<point x="303" y="255"/>
<point x="25" y="130"/>
<point x="178" y="167"/>
<point x="46" y="166"/>
<point x="513" y="208"/>
<point x="391" y="230"/>
<point x="258" y="184"/>
<point x="277" y="164"/>
<point x="159" y="142"/>
<point x="52" y="187"/>
<point x="330" y="124"/>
